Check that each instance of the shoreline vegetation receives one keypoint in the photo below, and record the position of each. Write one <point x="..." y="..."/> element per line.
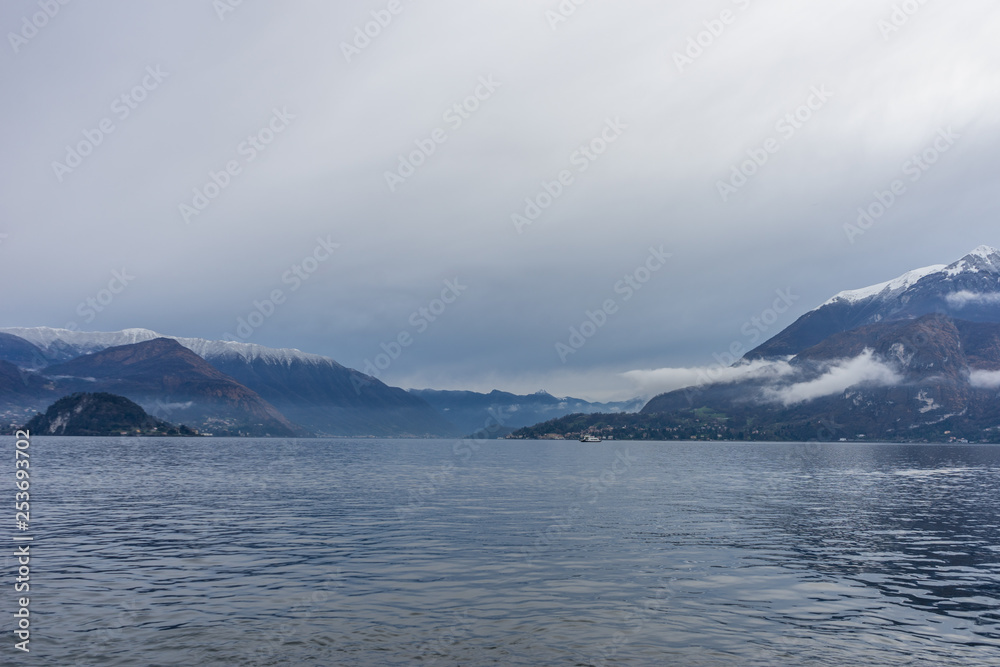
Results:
<point x="707" y="424"/>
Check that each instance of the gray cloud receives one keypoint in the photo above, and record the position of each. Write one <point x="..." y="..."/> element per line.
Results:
<point x="324" y="174"/>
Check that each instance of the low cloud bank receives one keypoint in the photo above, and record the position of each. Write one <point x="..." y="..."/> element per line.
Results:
<point x="662" y="380"/>
<point x="863" y="369"/>
<point x="779" y="378"/>
<point x="985" y="379"/>
<point x="966" y="298"/>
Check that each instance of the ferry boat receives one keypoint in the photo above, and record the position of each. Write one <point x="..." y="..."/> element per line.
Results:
<point x="589" y="438"/>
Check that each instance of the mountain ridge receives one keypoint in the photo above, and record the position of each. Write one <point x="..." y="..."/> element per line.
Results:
<point x="162" y="372"/>
<point x="313" y="391"/>
<point x="64" y="341"/>
<point x="967" y="289"/>
<point x="902" y="360"/>
<point x="473" y="411"/>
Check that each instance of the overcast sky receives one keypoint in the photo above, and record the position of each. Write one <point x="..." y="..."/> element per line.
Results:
<point x="184" y="86"/>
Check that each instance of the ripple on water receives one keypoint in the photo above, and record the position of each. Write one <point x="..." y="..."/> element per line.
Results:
<point x="313" y="552"/>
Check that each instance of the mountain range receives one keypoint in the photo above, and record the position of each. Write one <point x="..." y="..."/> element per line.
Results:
<point x="500" y="412"/>
<point x="914" y="358"/>
<point x="234" y="388"/>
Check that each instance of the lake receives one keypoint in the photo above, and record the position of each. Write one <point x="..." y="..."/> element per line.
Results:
<point x="215" y="551"/>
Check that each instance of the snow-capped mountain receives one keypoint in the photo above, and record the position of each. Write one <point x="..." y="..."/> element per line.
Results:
<point x="886" y="290"/>
<point x="930" y="378"/>
<point x="968" y="289"/>
<point x="916" y="358"/>
<point x="312" y="391"/>
<point x="64" y="344"/>
<point x="163" y="376"/>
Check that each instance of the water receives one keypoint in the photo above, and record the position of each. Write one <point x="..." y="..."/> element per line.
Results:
<point x="386" y="552"/>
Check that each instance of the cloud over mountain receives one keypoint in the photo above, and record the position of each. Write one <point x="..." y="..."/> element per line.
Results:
<point x="964" y="298"/>
<point x="656" y="381"/>
<point x="896" y="360"/>
<point x="864" y="369"/>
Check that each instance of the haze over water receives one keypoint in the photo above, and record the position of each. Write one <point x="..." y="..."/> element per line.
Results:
<point x="321" y="552"/>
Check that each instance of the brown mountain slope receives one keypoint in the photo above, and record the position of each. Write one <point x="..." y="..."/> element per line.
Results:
<point x="172" y="382"/>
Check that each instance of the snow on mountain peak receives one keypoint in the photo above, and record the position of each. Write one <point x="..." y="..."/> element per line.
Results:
<point x="983" y="259"/>
<point x="985" y="251"/>
<point x="214" y="349"/>
<point x="87" y="342"/>
<point x="47" y="337"/>
<point x="888" y="288"/>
